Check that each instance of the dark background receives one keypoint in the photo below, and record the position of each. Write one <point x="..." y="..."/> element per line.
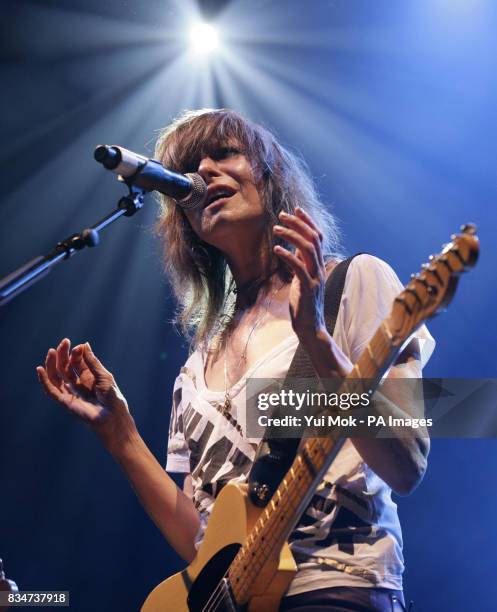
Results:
<point x="393" y="106"/>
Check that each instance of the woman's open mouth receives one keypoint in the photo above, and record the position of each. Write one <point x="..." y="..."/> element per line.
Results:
<point x="218" y="195"/>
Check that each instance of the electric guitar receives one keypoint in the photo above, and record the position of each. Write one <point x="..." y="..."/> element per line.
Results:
<point x="244" y="561"/>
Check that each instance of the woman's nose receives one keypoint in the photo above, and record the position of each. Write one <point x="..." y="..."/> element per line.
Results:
<point x="208" y="168"/>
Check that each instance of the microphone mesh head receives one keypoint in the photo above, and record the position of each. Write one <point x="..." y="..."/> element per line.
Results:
<point x="197" y="195"/>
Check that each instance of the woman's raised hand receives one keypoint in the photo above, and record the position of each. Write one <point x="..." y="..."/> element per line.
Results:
<point x="77" y="380"/>
<point x="306" y="299"/>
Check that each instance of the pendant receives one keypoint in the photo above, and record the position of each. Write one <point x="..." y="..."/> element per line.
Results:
<point x="225" y="408"/>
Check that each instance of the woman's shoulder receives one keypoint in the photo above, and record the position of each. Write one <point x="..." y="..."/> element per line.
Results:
<point x="192" y="368"/>
<point x="363" y="265"/>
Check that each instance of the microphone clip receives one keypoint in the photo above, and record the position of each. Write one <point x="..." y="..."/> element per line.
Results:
<point x="133" y="201"/>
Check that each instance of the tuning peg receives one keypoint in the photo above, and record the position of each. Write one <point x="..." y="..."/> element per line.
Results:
<point x="430" y="288"/>
<point x="414" y="276"/>
<point x="425" y="266"/>
<point x="446" y="263"/>
<point x="435" y="273"/>
<point x="459" y="256"/>
<point x="401" y="300"/>
<point x="414" y="293"/>
<point x="469" y="228"/>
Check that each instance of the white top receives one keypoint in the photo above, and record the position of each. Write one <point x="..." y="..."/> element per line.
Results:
<point x="350" y="533"/>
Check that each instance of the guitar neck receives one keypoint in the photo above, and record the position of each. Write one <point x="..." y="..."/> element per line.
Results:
<point x="312" y="460"/>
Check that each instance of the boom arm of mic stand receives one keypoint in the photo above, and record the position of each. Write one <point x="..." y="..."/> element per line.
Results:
<point x="37" y="268"/>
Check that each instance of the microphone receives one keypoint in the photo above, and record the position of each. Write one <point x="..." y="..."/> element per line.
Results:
<point x="189" y="190"/>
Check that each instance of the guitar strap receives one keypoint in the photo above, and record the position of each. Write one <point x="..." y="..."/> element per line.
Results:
<point x="275" y="455"/>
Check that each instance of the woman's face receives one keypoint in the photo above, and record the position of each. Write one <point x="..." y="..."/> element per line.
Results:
<point x="233" y="212"/>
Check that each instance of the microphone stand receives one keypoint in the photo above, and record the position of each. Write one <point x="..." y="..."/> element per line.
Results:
<point x="37" y="268"/>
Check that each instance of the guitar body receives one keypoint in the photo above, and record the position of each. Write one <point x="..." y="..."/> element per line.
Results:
<point x="232" y="519"/>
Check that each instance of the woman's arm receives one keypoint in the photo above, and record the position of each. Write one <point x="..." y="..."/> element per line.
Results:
<point x="399" y="461"/>
<point x="170" y="508"/>
<point x="78" y="381"/>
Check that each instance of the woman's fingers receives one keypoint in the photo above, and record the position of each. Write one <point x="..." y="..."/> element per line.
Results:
<point x="303" y="236"/>
<point x="49" y="387"/>
<point x="63" y="352"/>
<point x="306" y="217"/>
<point x="306" y="248"/>
<point x="94" y="364"/>
<point x="65" y="395"/>
<point x="297" y="265"/>
<point x="51" y="368"/>
<point x="305" y="225"/>
<point x="63" y="369"/>
<point x="77" y="364"/>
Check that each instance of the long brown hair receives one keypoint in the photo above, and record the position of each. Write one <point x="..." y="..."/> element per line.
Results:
<point x="198" y="272"/>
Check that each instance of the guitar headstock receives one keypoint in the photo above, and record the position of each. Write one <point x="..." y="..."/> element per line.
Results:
<point x="430" y="290"/>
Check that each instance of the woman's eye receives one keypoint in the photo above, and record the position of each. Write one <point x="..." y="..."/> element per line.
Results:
<point x="224" y="152"/>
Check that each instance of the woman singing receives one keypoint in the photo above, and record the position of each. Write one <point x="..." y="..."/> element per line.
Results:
<point x="248" y="269"/>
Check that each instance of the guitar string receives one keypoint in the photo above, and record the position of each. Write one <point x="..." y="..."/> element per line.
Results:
<point x="292" y="497"/>
<point x="217" y="595"/>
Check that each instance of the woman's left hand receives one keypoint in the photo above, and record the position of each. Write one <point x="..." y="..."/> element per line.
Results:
<point x="306" y="299"/>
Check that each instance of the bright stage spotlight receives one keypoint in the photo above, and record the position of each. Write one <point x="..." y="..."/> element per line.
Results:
<point x="204" y="38"/>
